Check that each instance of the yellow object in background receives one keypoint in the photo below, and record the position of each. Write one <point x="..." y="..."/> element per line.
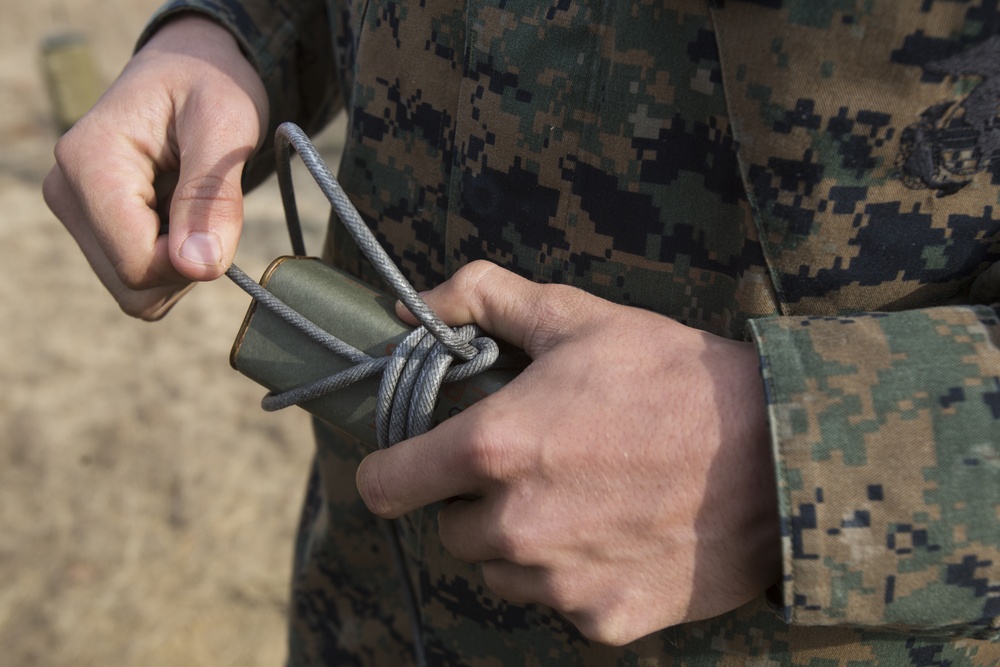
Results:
<point x="71" y="77"/>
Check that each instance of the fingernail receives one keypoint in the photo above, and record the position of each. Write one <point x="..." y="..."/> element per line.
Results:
<point x="201" y="248"/>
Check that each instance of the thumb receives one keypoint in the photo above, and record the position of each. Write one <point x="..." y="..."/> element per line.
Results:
<point x="206" y="210"/>
<point x="532" y="316"/>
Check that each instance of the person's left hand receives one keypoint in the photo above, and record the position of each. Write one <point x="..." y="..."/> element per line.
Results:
<point x="623" y="479"/>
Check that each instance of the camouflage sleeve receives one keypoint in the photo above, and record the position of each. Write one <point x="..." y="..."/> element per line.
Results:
<point x="290" y="42"/>
<point x="886" y="433"/>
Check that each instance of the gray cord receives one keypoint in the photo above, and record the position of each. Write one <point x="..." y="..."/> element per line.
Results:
<point x="290" y="135"/>
<point x="414" y="373"/>
<point x="411" y="376"/>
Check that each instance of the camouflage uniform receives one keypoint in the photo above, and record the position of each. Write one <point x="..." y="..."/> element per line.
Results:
<point x="817" y="175"/>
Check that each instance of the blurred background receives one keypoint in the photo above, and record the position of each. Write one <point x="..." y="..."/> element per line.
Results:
<point x="147" y="504"/>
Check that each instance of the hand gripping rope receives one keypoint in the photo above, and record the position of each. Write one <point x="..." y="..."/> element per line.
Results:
<point x="413" y="374"/>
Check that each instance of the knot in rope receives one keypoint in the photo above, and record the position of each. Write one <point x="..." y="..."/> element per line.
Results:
<point x="413" y="374"/>
<point x="412" y="379"/>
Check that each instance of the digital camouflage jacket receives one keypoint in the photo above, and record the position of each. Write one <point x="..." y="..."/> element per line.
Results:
<point x="822" y="176"/>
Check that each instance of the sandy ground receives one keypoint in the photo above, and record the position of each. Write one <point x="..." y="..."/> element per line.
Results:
<point x="147" y="505"/>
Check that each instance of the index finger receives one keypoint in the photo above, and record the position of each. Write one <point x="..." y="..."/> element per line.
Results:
<point x="149" y="304"/>
<point x="111" y="180"/>
<point x="426" y="469"/>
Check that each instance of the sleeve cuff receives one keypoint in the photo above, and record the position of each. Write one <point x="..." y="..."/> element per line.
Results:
<point x="886" y="435"/>
<point x="264" y="49"/>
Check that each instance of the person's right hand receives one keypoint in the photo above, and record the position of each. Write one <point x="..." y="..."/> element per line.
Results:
<point x="171" y="134"/>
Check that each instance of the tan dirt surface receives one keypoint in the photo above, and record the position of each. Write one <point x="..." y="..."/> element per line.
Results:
<point x="147" y="504"/>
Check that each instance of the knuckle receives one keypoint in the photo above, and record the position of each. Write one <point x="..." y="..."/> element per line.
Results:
<point x="556" y="593"/>
<point x="136" y="308"/>
<point x="501" y="585"/>
<point x="473" y="279"/>
<point x="80" y="145"/>
<point x="143" y="311"/>
<point x="57" y="186"/>
<point x="152" y="307"/>
<point x="510" y="540"/>
<point x="372" y="489"/>
<point x="52" y="190"/>
<point x="207" y="189"/>
<point x="485" y="455"/>
<point x="471" y="274"/>
<point x="602" y="627"/>
<point x="130" y="279"/>
<point x="237" y="116"/>
<point x="62" y="150"/>
<point x="66" y="148"/>
<point x="557" y="312"/>
<point x="207" y="202"/>
<point x="135" y="276"/>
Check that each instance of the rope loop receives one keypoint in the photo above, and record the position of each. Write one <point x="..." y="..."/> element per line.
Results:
<point x="413" y="374"/>
<point x="412" y="379"/>
<point x="290" y="135"/>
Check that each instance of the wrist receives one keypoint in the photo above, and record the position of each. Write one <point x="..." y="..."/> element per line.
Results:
<point x="192" y="33"/>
